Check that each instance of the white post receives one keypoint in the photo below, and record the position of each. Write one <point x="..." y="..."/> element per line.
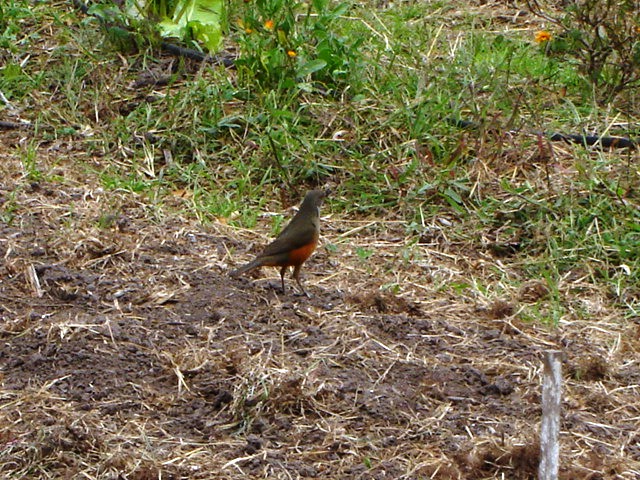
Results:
<point x="550" y="428"/>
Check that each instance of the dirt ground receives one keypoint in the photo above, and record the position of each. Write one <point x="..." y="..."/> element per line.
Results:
<point x="128" y="352"/>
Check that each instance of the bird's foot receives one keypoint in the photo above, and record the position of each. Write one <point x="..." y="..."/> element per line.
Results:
<point x="301" y="293"/>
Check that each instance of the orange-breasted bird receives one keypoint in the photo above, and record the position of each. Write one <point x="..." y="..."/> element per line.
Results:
<point x="296" y="242"/>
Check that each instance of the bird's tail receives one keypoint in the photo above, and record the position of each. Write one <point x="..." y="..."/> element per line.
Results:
<point x="245" y="268"/>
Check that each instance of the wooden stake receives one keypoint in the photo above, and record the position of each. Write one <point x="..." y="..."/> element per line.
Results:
<point x="550" y="428"/>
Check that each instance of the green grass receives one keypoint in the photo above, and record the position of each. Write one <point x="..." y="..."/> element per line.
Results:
<point x="372" y="123"/>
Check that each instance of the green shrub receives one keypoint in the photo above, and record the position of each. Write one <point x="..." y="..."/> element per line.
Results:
<point x="603" y="36"/>
<point x="286" y="44"/>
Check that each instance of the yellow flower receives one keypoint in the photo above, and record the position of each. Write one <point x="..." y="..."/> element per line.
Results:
<point x="542" y="36"/>
<point x="268" y="24"/>
<point x="292" y="53"/>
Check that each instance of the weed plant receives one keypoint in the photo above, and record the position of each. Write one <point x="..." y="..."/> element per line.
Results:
<point x="602" y="38"/>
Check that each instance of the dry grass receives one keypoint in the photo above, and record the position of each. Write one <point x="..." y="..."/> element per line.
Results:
<point x="142" y="359"/>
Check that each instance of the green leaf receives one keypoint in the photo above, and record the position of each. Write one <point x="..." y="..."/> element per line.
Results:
<point x="201" y="18"/>
<point x="319" y="5"/>
<point x="453" y="195"/>
<point x="311" y="67"/>
<point x="211" y="37"/>
<point x="11" y="71"/>
<point x="340" y="10"/>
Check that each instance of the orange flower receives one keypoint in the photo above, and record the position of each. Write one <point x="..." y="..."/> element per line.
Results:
<point x="542" y="36"/>
<point x="292" y="53"/>
<point x="243" y="26"/>
<point x="268" y="24"/>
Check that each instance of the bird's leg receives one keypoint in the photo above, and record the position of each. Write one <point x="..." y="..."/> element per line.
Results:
<point x="296" y="275"/>
<point x="283" y="270"/>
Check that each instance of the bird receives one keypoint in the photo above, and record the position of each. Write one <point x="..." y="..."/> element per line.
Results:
<point x="296" y="242"/>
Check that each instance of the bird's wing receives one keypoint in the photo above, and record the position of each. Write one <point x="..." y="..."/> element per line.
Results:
<point x="292" y="239"/>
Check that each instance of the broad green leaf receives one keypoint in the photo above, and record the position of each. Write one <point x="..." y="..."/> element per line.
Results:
<point x="201" y="18"/>
<point x="341" y="10"/>
<point x="310" y="67"/>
